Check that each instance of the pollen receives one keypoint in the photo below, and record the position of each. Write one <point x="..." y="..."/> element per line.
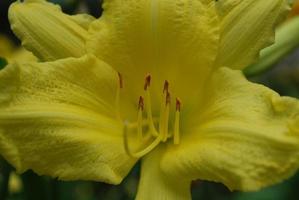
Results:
<point x="158" y="129"/>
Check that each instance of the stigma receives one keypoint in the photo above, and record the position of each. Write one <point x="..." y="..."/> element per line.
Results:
<point x="153" y="127"/>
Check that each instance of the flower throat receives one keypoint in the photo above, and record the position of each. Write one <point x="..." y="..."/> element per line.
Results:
<point x="158" y="133"/>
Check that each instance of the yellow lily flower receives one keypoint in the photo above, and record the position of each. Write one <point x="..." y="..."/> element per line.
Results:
<point x="160" y="82"/>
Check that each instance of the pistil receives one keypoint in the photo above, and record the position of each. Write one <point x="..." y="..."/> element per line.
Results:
<point x="117" y="101"/>
<point x="176" y="134"/>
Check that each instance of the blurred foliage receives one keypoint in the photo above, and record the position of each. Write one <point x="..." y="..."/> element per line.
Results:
<point x="39" y="187"/>
<point x="3" y="62"/>
<point x="283" y="77"/>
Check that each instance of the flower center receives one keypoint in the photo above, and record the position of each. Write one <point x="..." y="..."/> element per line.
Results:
<point x="157" y="129"/>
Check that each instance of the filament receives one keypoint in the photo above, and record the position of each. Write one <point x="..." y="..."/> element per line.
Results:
<point x="141" y="153"/>
<point x="162" y="116"/>
<point x="163" y="110"/>
<point x="166" y="117"/>
<point x="149" y="106"/>
<point x="117" y="98"/>
<point x="155" y="136"/>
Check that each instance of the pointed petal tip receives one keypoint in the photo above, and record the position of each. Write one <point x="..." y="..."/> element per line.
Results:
<point x="240" y="44"/>
<point x="46" y="31"/>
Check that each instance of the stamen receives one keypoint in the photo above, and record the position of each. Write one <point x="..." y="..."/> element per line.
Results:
<point x="166" y="117"/>
<point x="166" y="87"/>
<point x="164" y="112"/>
<point x="121" y="84"/>
<point x="139" y="117"/>
<point x="147" y="82"/>
<point x="176" y="135"/>
<point x="142" y="152"/>
<point x="153" y="130"/>
<point x="117" y="101"/>
<point x="155" y="137"/>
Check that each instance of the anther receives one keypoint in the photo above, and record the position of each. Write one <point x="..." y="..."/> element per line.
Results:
<point x="147" y="82"/>
<point x="176" y="134"/>
<point x="166" y="87"/>
<point x="178" y="104"/>
<point x="121" y="84"/>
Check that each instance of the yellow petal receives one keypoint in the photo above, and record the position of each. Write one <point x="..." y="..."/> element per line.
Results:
<point x="154" y="184"/>
<point x="84" y="20"/>
<point x="59" y="119"/>
<point x="46" y="31"/>
<point x="245" y="136"/>
<point x="21" y="55"/>
<point x="164" y="38"/>
<point x="246" y="28"/>
<point x="12" y="53"/>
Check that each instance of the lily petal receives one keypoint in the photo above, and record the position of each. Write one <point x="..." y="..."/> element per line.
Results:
<point x="245" y="136"/>
<point x="59" y="119"/>
<point x="84" y="20"/>
<point x="164" y="38"/>
<point x="246" y="28"/>
<point x="46" y="31"/>
<point x="155" y="184"/>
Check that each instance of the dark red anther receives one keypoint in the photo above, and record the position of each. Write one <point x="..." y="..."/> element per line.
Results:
<point x="121" y="85"/>
<point x="166" y="86"/>
<point x="147" y="82"/>
<point x="178" y="104"/>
